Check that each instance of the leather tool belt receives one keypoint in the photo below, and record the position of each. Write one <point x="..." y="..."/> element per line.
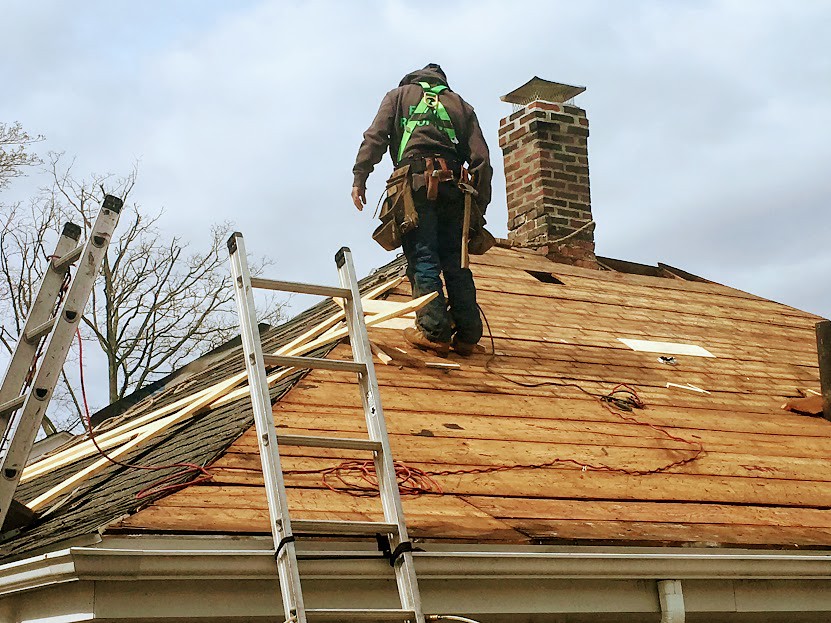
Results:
<point x="435" y="172"/>
<point x="398" y="213"/>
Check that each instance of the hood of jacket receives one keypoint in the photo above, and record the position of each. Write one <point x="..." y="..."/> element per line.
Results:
<point x="432" y="73"/>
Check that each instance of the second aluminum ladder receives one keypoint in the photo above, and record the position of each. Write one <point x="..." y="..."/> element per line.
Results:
<point x="283" y="528"/>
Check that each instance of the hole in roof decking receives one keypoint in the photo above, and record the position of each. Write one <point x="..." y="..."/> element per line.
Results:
<point x="545" y="277"/>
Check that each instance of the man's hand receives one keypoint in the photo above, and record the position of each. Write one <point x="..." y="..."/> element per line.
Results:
<point x="359" y="197"/>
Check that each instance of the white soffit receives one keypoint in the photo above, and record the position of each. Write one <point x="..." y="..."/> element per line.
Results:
<point x="666" y="348"/>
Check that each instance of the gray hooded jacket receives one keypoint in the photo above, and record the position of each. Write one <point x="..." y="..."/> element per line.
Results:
<point x="387" y="129"/>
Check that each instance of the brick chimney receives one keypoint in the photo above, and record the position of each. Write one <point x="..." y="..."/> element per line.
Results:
<point x="544" y="143"/>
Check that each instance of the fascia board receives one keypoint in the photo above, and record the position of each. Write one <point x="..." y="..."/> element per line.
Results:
<point x="38" y="571"/>
<point x="95" y="563"/>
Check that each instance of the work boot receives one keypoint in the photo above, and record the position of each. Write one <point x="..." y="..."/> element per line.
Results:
<point x="416" y="337"/>
<point x="463" y="348"/>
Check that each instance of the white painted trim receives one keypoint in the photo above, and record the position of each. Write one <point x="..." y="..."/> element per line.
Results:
<point x="96" y="563"/>
<point x="233" y="579"/>
<point x="63" y="618"/>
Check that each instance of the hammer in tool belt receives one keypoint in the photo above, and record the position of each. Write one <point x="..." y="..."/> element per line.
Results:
<point x="470" y="192"/>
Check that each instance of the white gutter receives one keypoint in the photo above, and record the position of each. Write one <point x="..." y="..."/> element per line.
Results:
<point x="95" y="563"/>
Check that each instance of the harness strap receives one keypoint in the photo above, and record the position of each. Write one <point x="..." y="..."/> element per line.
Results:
<point x="429" y="109"/>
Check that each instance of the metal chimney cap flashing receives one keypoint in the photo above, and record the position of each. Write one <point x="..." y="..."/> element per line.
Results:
<point x="538" y="89"/>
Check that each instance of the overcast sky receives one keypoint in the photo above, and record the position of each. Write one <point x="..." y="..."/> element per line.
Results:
<point x="710" y="121"/>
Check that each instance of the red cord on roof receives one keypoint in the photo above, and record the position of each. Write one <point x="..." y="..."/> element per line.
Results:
<point x="160" y="485"/>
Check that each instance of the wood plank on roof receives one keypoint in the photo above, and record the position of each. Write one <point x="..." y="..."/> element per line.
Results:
<point x="521" y="262"/>
<point x="666" y="512"/>
<point x="653" y="394"/>
<point x="655" y="533"/>
<point x="329" y="420"/>
<point x="705" y="308"/>
<point x="572" y="405"/>
<point x="194" y="509"/>
<point x="496" y="453"/>
<point x="568" y="483"/>
<point x="538" y="309"/>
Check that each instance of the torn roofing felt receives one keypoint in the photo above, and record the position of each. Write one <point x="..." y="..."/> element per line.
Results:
<point x="112" y="493"/>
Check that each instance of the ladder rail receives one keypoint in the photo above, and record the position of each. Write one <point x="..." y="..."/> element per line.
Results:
<point x="376" y="424"/>
<point x="39" y="313"/>
<point x="281" y="530"/>
<point x="22" y="436"/>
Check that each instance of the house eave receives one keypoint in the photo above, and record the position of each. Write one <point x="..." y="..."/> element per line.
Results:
<point x="232" y="560"/>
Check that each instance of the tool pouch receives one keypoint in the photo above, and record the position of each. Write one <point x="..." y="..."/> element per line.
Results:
<point x="481" y="240"/>
<point x="398" y="212"/>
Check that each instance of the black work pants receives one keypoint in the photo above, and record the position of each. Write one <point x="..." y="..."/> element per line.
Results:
<point x="433" y="249"/>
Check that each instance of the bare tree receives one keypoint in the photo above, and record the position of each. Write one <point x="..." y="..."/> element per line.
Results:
<point x="14" y="154"/>
<point x="156" y="304"/>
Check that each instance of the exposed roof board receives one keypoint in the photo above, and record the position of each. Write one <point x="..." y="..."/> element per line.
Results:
<point x="755" y="483"/>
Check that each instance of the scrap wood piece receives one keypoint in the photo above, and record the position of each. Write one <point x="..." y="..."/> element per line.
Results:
<point x="443" y="365"/>
<point x="328" y="325"/>
<point x="688" y="387"/>
<point x="383" y="357"/>
<point x="399" y="324"/>
<point x="375" y="319"/>
<point x="812" y="405"/>
<point x="138" y="426"/>
<point x="400" y="357"/>
<point x="380" y="306"/>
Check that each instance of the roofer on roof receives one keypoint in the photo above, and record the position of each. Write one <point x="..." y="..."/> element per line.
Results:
<point x="431" y="132"/>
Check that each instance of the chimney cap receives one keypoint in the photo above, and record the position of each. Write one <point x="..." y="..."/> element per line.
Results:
<point x="538" y="89"/>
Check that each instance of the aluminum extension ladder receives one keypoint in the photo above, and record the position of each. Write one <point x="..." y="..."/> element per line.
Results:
<point x="282" y="527"/>
<point x="47" y="335"/>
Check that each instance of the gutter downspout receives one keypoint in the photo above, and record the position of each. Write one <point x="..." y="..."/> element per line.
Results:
<point x="672" y="601"/>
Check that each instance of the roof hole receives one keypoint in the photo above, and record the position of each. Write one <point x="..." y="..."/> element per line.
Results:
<point x="544" y="277"/>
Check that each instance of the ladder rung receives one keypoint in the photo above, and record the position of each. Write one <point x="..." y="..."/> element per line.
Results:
<point x="329" y="442"/>
<point x="38" y="332"/>
<point x="12" y="405"/>
<point x="314" y="362"/>
<point x="324" y="526"/>
<point x="66" y="260"/>
<point x="301" y="288"/>
<point x="317" y="615"/>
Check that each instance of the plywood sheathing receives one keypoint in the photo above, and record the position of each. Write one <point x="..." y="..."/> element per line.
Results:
<point x="763" y="479"/>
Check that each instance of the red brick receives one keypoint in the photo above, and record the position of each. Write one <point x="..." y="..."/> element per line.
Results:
<point x="545" y="106"/>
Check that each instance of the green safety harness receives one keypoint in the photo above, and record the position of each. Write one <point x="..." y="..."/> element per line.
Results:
<point x="429" y="110"/>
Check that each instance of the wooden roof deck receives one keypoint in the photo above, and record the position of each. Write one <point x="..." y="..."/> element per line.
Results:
<point x="762" y="479"/>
